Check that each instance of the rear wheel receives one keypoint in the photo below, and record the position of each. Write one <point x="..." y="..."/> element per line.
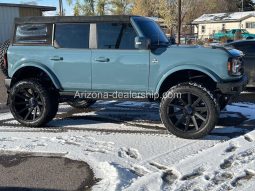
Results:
<point x="3" y="58"/>
<point x="189" y="111"/>
<point x="82" y="104"/>
<point x="32" y="104"/>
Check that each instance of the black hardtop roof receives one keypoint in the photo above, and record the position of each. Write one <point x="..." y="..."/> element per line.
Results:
<point x="74" y="19"/>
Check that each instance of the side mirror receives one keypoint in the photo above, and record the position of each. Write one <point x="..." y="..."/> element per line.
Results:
<point x="142" y="43"/>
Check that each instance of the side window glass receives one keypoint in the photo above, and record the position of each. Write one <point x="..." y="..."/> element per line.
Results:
<point x="72" y="35"/>
<point x="33" y="34"/>
<point x="116" y="36"/>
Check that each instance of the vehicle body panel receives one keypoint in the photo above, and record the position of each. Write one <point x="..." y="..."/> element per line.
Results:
<point x="73" y="72"/>
<point x="212" y="62"/>
<point x="125" y="70"/>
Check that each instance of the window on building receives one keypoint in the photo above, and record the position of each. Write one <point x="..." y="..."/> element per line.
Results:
<point x="116" y="36"/>
<point x="33" y="34"/>
<point x="250" y="25"/>
<point x="72" y="35"/>
<point x="203" y="29"/>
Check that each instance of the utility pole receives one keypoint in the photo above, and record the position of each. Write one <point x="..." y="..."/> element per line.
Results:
<point x="179" y="21"/>
<point x="242" y="5"/>
<point x="61" y="8"/>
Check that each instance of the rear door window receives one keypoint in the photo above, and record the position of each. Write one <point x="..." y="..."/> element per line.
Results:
<point x="33" y="34"/>
<point x="75" y="35"/>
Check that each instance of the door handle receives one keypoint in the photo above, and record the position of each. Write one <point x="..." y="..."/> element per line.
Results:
<point x="56" y="58"/>
<point x="102" y="59"/>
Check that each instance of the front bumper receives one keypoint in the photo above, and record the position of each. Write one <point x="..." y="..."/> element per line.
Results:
<point x="233" y="88"/>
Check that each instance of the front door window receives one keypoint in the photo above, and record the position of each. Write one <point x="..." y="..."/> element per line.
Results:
<point x="116" y="36"/>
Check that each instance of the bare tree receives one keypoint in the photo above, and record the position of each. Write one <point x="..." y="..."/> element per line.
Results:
<point x="101" y="7"/>
<point x="121" y="7"/>
<point x="87" y="7"/>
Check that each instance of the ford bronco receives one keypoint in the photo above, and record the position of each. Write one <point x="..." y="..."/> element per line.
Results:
<point x="50" y="59"/>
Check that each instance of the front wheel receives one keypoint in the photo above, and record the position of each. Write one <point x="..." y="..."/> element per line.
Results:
<point x="32" y="104"/>
<point x="189" y="111"/>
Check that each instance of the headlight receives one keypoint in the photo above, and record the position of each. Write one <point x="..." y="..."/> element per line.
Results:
<point x="235" y="66"/>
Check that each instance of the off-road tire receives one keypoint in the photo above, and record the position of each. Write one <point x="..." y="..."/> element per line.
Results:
<point x="48" y="100"/>
<point x="209" y="104"/>
<point x="82" y="104"/>
<point x="3" y="50"/>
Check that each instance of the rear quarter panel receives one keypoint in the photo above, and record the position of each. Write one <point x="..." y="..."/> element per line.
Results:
<point x="35" y="56"/>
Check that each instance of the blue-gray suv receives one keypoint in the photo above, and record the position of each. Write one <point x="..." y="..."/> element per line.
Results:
<point x="82" y="59"/>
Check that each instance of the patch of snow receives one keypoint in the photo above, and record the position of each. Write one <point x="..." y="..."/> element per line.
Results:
<point x="129" y="153"/>
<point x="133" y="159"/>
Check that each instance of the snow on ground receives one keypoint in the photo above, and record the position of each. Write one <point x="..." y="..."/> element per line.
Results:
<point x="128" y="148"/>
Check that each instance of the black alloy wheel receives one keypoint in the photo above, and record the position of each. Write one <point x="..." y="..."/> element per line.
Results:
<point x="28" y="104"/>
<point x="32" y="104"/>
<point x="189" y="111"/>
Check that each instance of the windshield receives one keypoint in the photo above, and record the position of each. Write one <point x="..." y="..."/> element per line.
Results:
<point x="152" y="31"/>
<point x="244" y="31"/>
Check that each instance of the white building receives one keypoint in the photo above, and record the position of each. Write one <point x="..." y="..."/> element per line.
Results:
<point x="208" y="24"/>
<point x="9" y="11"/>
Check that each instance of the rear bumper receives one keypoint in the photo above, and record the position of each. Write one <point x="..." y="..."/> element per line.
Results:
<point x="233" y="88"/>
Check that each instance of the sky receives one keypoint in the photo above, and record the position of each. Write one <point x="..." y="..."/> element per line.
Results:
<point x="68" y="9"/>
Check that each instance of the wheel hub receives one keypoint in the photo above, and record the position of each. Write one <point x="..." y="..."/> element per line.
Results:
<point x="33" y="102"/>
<point x="188" y="110"/>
